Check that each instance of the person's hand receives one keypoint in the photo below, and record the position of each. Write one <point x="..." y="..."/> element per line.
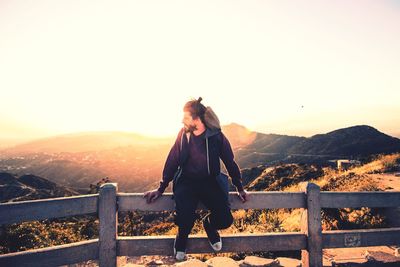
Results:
<point x="151" y="196"/>
<point x="243" y="195"/>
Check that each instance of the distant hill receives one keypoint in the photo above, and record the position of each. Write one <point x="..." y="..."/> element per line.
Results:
<point x="353" y="141"/>
<point x="239" y="136"/>
<point x="83" y="142"/>
<point x="28" y="187"/>
<point x="271" y="149"/>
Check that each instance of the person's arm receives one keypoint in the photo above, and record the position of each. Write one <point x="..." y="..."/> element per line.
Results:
<point x="230" y="164"/>
<point x="171" y="164"/>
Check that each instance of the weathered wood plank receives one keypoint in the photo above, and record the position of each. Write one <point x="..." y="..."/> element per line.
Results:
<point x="311" y="226"/>
<point x="361" y="238"/>
<point x="359" y="199"/>
<point x="163" y="245"/>
<point x="108" y="225"/>
<point x="257" y="200"/>
<point x="53" y="256"/>
<point x="16" y="212"/>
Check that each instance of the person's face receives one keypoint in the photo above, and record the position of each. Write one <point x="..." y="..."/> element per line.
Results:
<point x="188" y="122"/>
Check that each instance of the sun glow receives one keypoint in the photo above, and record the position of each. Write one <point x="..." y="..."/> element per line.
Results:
<point x="304" y="68"/>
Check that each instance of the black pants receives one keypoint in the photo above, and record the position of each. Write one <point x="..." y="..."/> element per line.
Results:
<point x="188" y="193"/>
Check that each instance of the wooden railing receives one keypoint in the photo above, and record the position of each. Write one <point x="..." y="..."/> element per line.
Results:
<point x="310" y="240"/>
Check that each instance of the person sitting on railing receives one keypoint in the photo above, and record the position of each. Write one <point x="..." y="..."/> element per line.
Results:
<point x="194" y="164"/>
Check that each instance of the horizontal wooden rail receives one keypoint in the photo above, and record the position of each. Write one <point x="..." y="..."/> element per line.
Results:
<point x="258" y="200"/>
<point x="361" y="238"/>
<point x="163" y="245"/>
<point x="359" y="199"/>
<point x="16" y="212"/>
<point x="310" y="240"/>
<point x="53" y="256"/>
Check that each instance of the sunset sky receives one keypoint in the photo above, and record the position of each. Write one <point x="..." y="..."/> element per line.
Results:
<point x="286" y="67"/>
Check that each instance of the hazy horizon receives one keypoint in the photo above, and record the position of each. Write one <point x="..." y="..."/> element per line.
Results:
<point x="273" y="66"/>
<point x="18" y="141"/>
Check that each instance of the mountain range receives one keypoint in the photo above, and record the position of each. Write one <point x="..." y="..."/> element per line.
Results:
<point x="136" y="162"/>
<point x="352" y="142"/>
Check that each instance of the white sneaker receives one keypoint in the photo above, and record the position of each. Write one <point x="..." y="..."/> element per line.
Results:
<point x="212" y="234"/>
<point x="217" y="246"/>
<point x="179" y="255"/>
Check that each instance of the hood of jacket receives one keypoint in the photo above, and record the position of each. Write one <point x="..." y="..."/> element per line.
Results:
<point x="211" y="132"/>
<point x="211" y="121"/>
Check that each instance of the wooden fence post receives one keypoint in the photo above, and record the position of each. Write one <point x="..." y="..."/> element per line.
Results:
<point x="311" y="226"/>
<point x="108" y="225"/>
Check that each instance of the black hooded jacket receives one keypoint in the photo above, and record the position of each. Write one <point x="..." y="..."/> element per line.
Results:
<point x="218" y="147"/>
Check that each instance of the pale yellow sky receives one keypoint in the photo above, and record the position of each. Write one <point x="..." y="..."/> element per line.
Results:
<point x="71" y="66"/>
